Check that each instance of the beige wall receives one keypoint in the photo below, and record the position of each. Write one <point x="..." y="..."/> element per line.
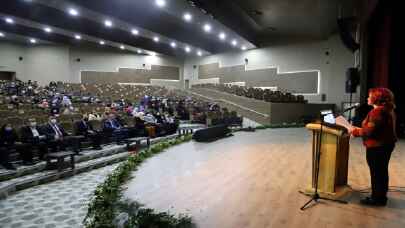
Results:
<point x="45" y="63"/>
<point x="296" y="82"/>
<point x="127" y="75"/>
<point x="293" y="57"/>
<point x="9" y="58"/>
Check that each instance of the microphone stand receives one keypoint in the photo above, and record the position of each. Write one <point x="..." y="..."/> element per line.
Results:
<point x="316" y="197"/>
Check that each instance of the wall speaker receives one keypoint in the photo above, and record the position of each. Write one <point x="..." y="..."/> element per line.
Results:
<point x="345" y="26"/>
<point x="323" y="97"/>
<point x="78" y="60"/>
<point x="352" y="80"/>
<point x="20" y="58"/>
<point x="144" y="65"/>
<point x="194" y="66"/>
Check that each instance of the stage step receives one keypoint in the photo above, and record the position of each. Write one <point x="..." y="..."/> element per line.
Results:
<point x="28" y="176"/>
<point x="27" y="181"/>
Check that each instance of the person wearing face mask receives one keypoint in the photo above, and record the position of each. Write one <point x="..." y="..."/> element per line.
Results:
<point x="58" y="138"/>
<point x="113" y="128"/>
<point x="8" y="137"/>
<point x="33" y="138"/>
<point x="85" y="128"/>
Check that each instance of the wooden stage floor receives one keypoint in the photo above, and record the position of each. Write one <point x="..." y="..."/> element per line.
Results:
<point x="252" y="179"/>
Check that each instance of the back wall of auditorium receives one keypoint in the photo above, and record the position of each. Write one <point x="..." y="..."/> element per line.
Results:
<point x="328" y="58"/>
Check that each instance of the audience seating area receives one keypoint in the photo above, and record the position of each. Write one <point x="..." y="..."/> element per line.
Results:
<point x="256" y="93"/>
<point x="36" y="121"/>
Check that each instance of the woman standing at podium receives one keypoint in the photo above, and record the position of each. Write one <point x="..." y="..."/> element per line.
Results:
<point x="379" y="137"/>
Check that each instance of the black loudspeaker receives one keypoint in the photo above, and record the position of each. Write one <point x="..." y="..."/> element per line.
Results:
<point x="211" y="133"/>
<point x="345" y="27"/>
<point x="352" y="80"/>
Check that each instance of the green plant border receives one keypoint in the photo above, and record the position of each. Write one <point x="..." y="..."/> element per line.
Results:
<point x="106" y="203"/>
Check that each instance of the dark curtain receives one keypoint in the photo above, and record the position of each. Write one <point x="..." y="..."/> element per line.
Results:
<point x="380" y="34"/>
<point x="385" y="50"/>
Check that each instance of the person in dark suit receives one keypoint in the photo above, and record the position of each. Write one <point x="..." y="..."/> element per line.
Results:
<point x="84" y="128"/>
<point x="33" y="138"/>
<point x="8" y="137"/>
<point x="112" y="128"/>
<point x="57" y="137"/>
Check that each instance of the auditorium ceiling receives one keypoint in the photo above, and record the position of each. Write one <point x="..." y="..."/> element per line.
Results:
<point x="178" y="28"/>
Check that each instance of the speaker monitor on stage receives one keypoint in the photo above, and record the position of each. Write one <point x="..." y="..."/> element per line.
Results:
<point x="211" y="133"/>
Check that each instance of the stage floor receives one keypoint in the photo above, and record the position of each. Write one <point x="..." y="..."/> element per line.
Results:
<point x="252" y="179"/>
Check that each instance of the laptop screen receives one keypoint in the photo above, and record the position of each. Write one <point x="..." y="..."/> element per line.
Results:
<point x="328" y="116"/>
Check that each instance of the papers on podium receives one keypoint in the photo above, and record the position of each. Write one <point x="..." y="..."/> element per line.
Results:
<point x="340" y="120"/>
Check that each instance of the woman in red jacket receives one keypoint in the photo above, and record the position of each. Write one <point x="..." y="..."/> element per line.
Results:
<point x="379" y="137"/>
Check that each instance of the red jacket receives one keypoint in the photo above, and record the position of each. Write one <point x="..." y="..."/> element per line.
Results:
<point x="378" y="128"/>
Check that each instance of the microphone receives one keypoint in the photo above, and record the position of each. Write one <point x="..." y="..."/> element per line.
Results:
<point x="351" y="107"/>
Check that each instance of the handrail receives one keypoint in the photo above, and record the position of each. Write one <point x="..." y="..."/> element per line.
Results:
<point x="231" y="103"/>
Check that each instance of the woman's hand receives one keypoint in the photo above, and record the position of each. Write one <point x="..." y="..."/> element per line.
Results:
<point x="352" y="129"/>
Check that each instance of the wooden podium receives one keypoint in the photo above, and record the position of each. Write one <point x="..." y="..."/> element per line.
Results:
<point x="334" y="159"/>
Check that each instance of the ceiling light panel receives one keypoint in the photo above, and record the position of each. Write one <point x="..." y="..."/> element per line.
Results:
<point x="108" y="23"/>
<point x="73" y="12"/>
<point x="160" y="3"/>
<point x="187" y="17"/>
<point x="47" y="30"/>
<point x="9" y="20"/>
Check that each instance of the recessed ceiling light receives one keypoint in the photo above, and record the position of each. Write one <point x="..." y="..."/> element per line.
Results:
<point x="101" y="42"/>
<point x="243" y="48"/>
<point x="234" y="43"/>
<point x="156" y="39"/>
<point x="187" y="49"/>
<point x="122" y="47"/>
<point x="199" y="53"/>
<point x="134" y="32"/>
<point x="139" y="51"/>
<point x="78" y="37"/>
<point x="187" y="17"/>
<point x="73" y="12"/>
<point x="160" y="3"/>
<point x="47" y="29"/>
<point x="33" y="41"/>
<point x="207" y="28"/>
<point x="9" y="20"/>
<point x="2" y="34"/>
<point x="108" y="23"/>
<point x="173" y="44"/>
<point x="153" y="53"/>
<point x="222" y="36"/>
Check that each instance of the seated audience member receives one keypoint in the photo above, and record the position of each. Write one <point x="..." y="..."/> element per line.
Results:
<point x="94" y="116"/>
<point x="55" y="109"/>
<point x="170" y="124"/>
<point x="44" y="104"/>
<point x="85" y="128"/>
<point x="8" y="137"/>
<point x="113" y="128"/>
<point x="57" y="137"/>
<point x="139" y="124"/>
<point x="33" y="138"/>
<point x="66" y="102"/>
